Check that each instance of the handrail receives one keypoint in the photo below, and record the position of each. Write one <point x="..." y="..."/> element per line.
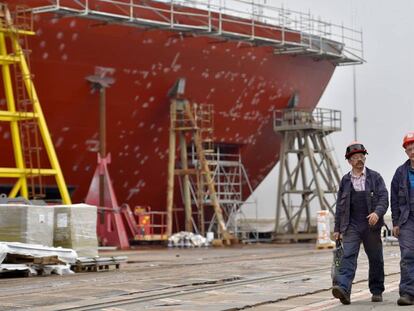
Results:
<point x="320" y="118"/>
<point x="260" y="22"/>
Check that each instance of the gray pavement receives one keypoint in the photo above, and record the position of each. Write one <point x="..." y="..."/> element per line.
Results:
<point x="360" y="300"/>
<point x="252" y="277"/>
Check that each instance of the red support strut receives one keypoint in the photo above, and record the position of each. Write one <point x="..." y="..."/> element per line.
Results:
<point x="110" y="226"/>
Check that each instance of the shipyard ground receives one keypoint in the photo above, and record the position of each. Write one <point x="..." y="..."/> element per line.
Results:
<point x="246" y="277"/>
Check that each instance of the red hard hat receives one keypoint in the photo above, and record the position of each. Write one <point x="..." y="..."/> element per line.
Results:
<point x="355" y="147"/>
<point x="408" y="138"/>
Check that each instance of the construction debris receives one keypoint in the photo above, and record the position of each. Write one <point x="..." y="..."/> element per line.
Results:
<point x="10" y="270"/>
<point x="185" y="239"/>
<point x="35" y="250"/>
<point x="19" y="259"/>
<point x="32" y="259"/>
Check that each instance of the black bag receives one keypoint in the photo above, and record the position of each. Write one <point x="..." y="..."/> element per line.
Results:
<point x="338" y="254"/>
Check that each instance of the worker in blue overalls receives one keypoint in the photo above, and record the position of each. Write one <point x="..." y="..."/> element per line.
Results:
<point x="402" y="209"/>
<point x="361" y="204"/>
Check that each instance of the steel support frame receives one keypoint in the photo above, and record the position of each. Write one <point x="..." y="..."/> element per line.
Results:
<point x="310" y="174"/>
<point x="13" y="116"/>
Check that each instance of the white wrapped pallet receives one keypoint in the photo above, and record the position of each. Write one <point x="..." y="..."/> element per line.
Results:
<point x="75" y="228"/>
<point x="31" y="224"/>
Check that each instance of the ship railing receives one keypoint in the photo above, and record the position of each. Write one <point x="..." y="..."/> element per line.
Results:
<point x="315" y="34"/>
<point x="328" y="120"/>
<point x="289" y="31"/>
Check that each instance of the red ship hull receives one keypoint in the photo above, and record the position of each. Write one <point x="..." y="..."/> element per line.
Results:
<point x="245" y="84"/>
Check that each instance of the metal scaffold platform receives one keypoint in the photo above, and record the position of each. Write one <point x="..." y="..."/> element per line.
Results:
<point x="308" y="175"/>
<point x="287" y="31"/>
<point x="29" y="133"/>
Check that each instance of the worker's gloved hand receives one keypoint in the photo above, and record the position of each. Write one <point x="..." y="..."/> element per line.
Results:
<point x="373" y="219"/>
<point x="396" y="231"/>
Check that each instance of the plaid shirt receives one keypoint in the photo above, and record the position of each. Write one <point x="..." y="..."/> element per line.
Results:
<point x="358" y="181"/>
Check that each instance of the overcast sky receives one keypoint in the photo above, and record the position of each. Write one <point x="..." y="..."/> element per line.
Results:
<point x="384" y="84"/>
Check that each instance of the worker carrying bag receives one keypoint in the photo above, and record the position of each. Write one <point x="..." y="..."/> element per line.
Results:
<point x="338" y="254"/>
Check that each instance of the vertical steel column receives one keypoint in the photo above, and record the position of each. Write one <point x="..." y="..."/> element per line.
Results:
<point x="186" y="183"/>
<point x="171" y="165"/>
<point x="100" y="82"/>
<point x="102" y="141"/>
<point x="200" y="205"/>
<point x="282" y="160"/>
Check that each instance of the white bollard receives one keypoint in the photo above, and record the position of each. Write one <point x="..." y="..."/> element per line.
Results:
<point x="324" y="231"/>
<point x="210" y="237"/>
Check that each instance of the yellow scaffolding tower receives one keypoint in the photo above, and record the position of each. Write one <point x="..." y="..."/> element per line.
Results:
<point x="19" y="97"/>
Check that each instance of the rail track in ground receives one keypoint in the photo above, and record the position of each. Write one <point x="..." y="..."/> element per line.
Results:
<point x="184" y="279"/>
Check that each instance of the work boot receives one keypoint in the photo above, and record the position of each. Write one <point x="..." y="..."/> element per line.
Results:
<point x="341" y="294"/>
<point x="376" y="298"/>
<point x="405" y="300"/>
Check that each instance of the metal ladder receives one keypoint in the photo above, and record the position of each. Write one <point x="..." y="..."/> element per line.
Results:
<point x="29" y="131"/>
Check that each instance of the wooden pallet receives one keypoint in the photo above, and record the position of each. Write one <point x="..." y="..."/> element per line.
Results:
<point x="325" y="246"/>
<point x="94" y="268"/>
<point x="97" y="264"/>
<point x="27" y="259"/>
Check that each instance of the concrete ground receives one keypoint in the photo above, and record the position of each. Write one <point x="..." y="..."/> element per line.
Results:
<point x="257" y="277"/>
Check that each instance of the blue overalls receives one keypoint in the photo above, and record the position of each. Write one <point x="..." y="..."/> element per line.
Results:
<point x="406" y="241"/>
<point x="359" y="231"/>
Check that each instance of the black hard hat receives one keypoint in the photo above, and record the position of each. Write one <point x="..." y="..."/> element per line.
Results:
<point x="353" y="148"/>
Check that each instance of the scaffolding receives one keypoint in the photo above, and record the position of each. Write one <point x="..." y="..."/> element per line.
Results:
<point x="29" y="132"/>
<point x="212" y="178"/>
<point x="185" y="119"/>
<point x="287" y="31"/>
<point x="232" y="186"/>
<point x="308" y="175"/>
